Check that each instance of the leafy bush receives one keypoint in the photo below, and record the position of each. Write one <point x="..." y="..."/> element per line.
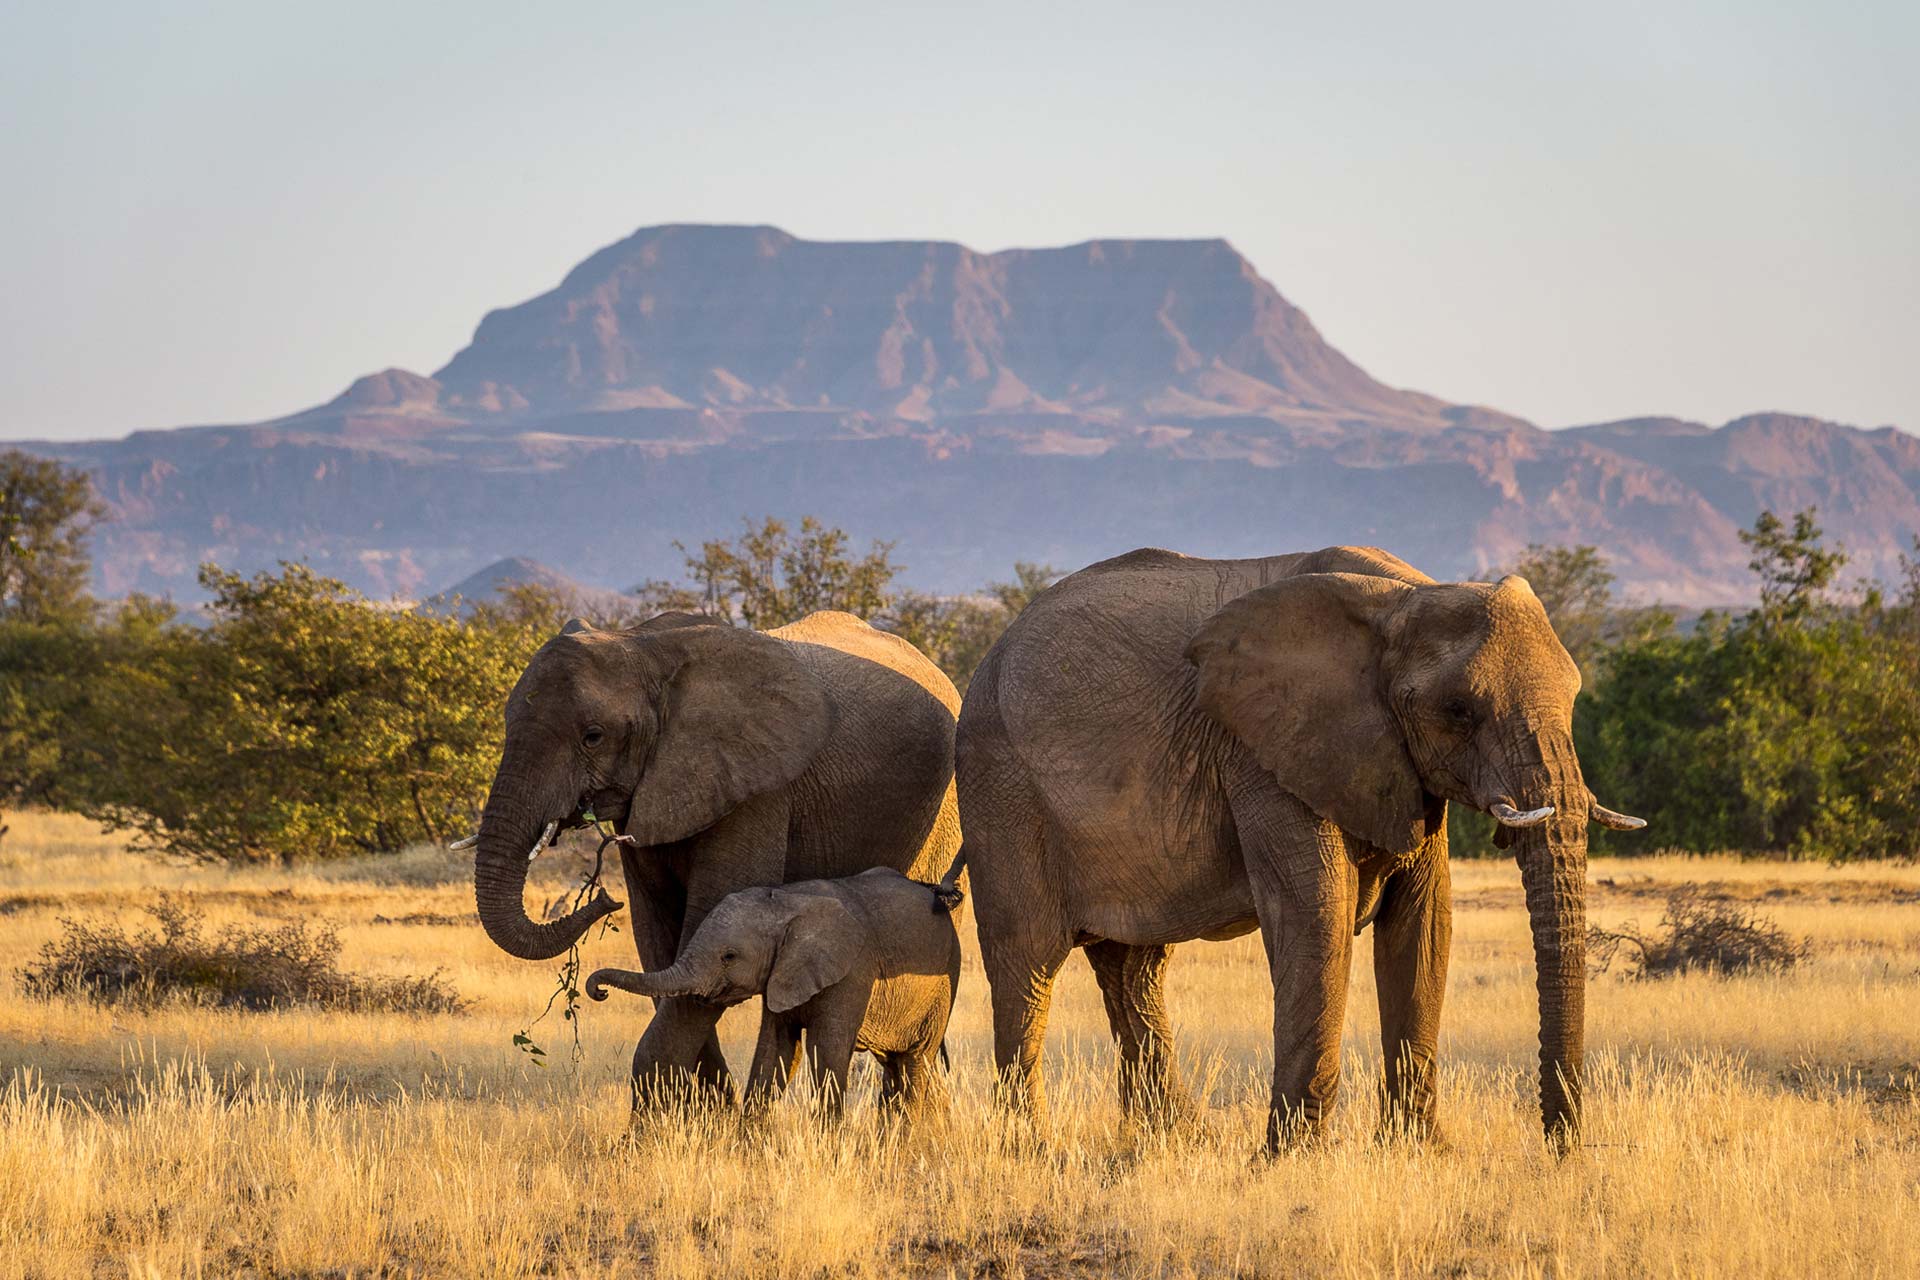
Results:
<point x="305" y="722"/>
<point x="249" y="968"/>
<point x="1794" y="727"/>
<point x="1697" y="932"/>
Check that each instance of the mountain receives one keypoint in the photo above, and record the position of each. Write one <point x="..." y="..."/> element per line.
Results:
<point x="1046" y="404"/>
<point x="492" y="584"/>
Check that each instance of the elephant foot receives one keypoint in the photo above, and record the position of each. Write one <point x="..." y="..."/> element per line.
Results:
<point x="1294" y="1130"/>
<point x="1422" y="1132"/>
<point x="1161" y="1106"/>
<point x="681" y="1092"/>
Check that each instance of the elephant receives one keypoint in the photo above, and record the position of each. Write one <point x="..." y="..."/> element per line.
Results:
<point x="727" y="759"/>
<point x="867" y="962"/>
<point x="1163" y="748"/>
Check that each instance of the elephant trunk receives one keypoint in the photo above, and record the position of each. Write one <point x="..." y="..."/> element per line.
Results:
<point x="1553" y="868"/>
<point x="674" y="980"/>
<point x="510" y="830"/>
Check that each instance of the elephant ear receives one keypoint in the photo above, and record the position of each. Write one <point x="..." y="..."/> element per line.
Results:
<point x="821" y="942"/>
<point x="739" y="716"/>
<point x="1293" y="670"/>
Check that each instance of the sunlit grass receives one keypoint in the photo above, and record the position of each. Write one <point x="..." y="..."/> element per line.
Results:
<point x="1753" y="1126"/>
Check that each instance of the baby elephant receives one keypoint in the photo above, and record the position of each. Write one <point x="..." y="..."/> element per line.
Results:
<point x="866" y="962"/>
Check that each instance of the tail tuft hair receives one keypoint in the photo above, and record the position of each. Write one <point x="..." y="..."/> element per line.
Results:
<point x="948" y="895"/>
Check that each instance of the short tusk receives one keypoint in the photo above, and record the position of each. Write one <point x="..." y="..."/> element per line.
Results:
<point x="545" y="837"/>
<point x="468" y="843"/>
<point x="1508" y="816"/>
<point x="1614" y="820"/>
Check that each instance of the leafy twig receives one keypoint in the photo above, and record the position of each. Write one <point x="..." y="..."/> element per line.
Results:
<point x="567" y="978"/>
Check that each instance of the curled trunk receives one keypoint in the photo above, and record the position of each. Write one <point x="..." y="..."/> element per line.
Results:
<point x="660" y="984"/>
<point x="509" y="829"/>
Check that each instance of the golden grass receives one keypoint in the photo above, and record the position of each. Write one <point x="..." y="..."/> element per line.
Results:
<point x="1756" y="1126"/>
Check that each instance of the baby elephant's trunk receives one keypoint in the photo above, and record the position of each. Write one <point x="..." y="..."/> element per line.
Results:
<point x="666" y="982"/>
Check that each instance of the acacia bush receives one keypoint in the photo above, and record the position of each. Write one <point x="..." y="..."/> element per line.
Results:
<point x="267" y="967"/>
<point x="1794" y="727"/>
<point x="304" y="721"/>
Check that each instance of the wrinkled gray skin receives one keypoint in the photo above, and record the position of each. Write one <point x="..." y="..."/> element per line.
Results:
<point x="868" y="962"/>
<point x="1163" y="748"/>
<point x="732" y="758"/>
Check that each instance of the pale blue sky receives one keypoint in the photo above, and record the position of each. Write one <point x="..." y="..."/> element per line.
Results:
<point x="220" y="212"/>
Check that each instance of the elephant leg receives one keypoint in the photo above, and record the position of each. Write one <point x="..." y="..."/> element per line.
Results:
<point x="656" y="904"/>
<point x="682" y="883"/>
<point x="1304" y="890"/>
<point x="671" y="1065"/>
<point x="921" y="1085"/>
<point x="775" y="1058"/>
<point x="834" y="1018"/>
<point x="1021" y="982"/>
<point x="1132" y="984"/>
<point x="893" y="1081"/>
<point x="1024" y="932"/>
<point x="830" y="1058"/>
<point x="1411" y="939"/>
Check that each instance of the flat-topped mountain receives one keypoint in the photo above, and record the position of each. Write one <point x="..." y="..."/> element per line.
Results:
<point x="1055" y="404"/>
<point x="915" y="331"/>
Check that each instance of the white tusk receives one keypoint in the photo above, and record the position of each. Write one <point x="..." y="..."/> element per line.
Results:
<point x="1609" y="818"/>
<point x="545" y="836"/>
<point x="1508" y="816"/>
<point x="468" y="843"/>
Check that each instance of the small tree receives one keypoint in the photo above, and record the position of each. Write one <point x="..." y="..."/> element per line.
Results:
<point x="306" y="721"/>
<point x="772" y="575"/>
<point x="956" y="632"/>
<point x="1795" y="569"/>
<point x="46" y="513"/>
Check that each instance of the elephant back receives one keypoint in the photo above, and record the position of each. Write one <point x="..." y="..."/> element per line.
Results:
<point x="836" y="630"/>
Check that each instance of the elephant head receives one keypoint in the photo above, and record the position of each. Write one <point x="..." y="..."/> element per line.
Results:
<point x="789" y="945"/>
<point x="1369" y="697"/>
<point x="661" y="728"/>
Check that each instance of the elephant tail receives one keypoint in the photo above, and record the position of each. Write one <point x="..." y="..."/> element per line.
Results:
<point x="948" y="895"/>
<point x="946" y="1063"/>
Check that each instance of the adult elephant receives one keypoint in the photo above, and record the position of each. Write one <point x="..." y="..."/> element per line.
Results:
<point x="1163" y="748"/>
<point x="732" y="758"/>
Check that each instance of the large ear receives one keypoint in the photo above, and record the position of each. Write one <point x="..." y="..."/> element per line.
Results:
<point x="739" y="716"/>
<point x="1293" y="671"/>
<point x="821" y="942"/>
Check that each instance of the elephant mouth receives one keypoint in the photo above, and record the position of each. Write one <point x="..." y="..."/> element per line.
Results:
<point x="596" y="807"/>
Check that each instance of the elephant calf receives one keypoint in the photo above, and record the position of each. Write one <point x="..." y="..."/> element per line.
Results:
<point x="866" y="962"/>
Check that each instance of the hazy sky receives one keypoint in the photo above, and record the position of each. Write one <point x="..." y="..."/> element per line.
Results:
<point x="220" y="212"/>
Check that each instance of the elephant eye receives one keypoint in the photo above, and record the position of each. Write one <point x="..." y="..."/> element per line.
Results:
<point x="728" y="957"/>
<point x="593" y="737"/>
<point x="1459" y="711"/>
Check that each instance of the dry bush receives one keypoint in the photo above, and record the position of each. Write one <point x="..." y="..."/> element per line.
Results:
<point x="1698" y="932"/>
<point x="240" y="966"/>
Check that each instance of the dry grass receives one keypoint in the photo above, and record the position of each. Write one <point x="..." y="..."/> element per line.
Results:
<point x="1758" y="1125"/>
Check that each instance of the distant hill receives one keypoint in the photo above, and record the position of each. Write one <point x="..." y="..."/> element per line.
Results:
<point x="1050" y="404"/>
<point x="492" y="584"/>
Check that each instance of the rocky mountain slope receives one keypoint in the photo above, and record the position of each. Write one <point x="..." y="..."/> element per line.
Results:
<point x="1054" y="404"/>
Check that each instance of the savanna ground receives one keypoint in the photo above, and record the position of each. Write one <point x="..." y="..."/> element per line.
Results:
<point x="1757" y="1126"/>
